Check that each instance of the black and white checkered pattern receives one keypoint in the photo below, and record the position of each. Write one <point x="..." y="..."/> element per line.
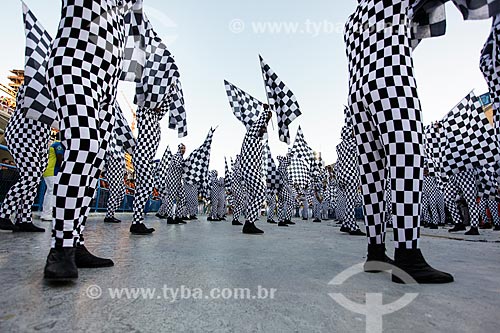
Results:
<point x="135" y="44"/>
<point x="83" y="70"/>
<point x="432" y="202"/>
<point x="492" y="205"/>
<point x="37" y="100"/>
<point x="301" y="159"/>
<point x="463" y="185"/>
<point x="172" y="189"/>
<point x="252" y="171"/>
<point x="387" y="115"/>
<point x="148" y="139"/>
<point x="286" y="192"/>
<point x="27" y="140"/>
<point x="191" y="198"/>
<point x="124" y="136"/>
<point x="177" y="115"/>
<point x="245" y="107"/>
<point x="214" y="194"/>
<point x="478" y="9"/>
<point x="221" y="197"/>
<point x="197" y="164"/>
<point x="281" y="99"/>
<point x="238" y="189"/>
<point x="470" y="138"/>
<point x="115" y="172"/>
<point x="271" y="203"/>
<point x="489" y="64"/>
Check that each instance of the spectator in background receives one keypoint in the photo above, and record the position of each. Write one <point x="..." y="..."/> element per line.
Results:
<point x="56" y="154"/>
<point x="5" y="162"/>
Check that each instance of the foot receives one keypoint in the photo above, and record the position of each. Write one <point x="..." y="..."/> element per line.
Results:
<point x="161" y="217"/>
<point x="170" y="220"/>
<point x="473" y="231"/>
<point x="497" y="228"/>
<point x="112" y="220"/>
<point x="377" y="261"/>
<point x="458" y="227"/>
<point x="413" y="263"/>
<point x="193" y="217"/>
<point x="317" y="220"/>
<point x="179" y="220"/>
<point x="236" y="222"/>
<point x="60" y="265"/>
<point x="141" y="229"/>
<point x="210" y="219"/>
<point x="344" y="229"/>
<point x="271" y="221"/>
<point x="222" y="218"/>
<point x="85" y="259"/>
<point x="251" y="229"/>
<point x="185" y="218"/>
<point x="357" y="233"/>
<point x="486" y="226"/>
<point x="7" y="225"/>
<point x="289" y="222"/>
<point x="282" y="224"/>
<point x="433" y="226"/>
<point x="28" y="227"/>
<point x="304" y="219"/>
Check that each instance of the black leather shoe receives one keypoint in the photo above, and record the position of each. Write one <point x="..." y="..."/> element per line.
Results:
<point x="458" y="227"/>
<point x="271" y="221"/>
<point x="60" y="265"/>
<point x="141" y="229"/>
<point x="161" y="217"/>
<point x="317" y="220"/>
<point x="357" y="233"/>
<point x="112" y="220"/>
<point x="289" y="222"/>
<point x="236" y="222"/>
<point x="85" y="259"/>
<point x="193" y="217"/>
<point x="497" y="228"/>
<point x="376" y="260"/>
<point x="282" y="224"/>
<point x="414" y="264"/>
<point x="178" y="220"/>
<point x="210" y="219"/>
<point x="473" y="231"/>
<point x="433" y="226"/>
<point x="170" y="220"/>
<point x="27" y="227"/>
<point x="7" y="225"/>
<point x="251" y="229"/>
<point x="344" y="229"/>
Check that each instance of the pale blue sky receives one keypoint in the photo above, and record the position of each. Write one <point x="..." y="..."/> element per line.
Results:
<point x="311" y="62"/>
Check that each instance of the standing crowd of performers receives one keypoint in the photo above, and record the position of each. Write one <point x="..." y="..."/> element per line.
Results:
<point x="71" y="84"/>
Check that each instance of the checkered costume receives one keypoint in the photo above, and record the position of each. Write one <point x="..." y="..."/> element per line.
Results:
<point x="273" y="183"/>
<point x="271" y="203"/>
<point x="28" y="139"/>
<point x="214" y="194"/>
<point x="83" y="70"/>
<point x="158" y="92"/>
<point x="191" y="191"/>
<point x="173" y="189"/>
<point x="432" y="202"/>
<point x="120" y="142"/>
<point x="221" y="197"/>
<point x="227" y="183"/>
<point x="386" y="116"/>
<point x="347" y="173"/>
<point x="238" y="190"/>
<point x="252" y="158"/>
<point x="286" y="192"/>
<point x="281" y="99"/>
<point x="492" y="205"/>
<point x="148" y="139"/>
<point x="464" y="185"/>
